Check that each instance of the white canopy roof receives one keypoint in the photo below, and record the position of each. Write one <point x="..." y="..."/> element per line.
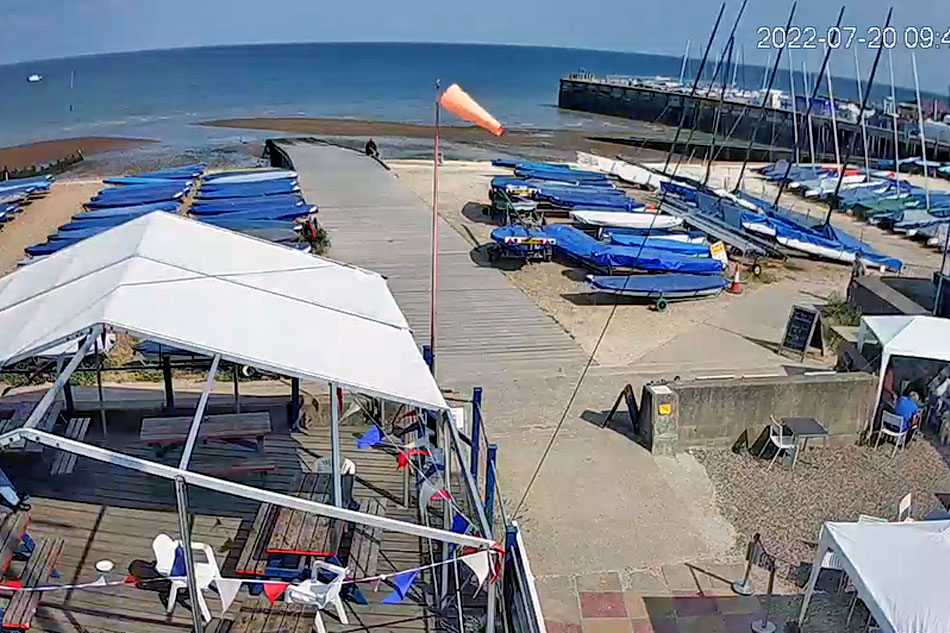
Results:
<point x="918" y="336"/>
<point x="900" y="570"/>
<point x="176" y="281"/>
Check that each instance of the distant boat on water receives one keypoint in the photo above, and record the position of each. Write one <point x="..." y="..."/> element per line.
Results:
<point x="34" y="78"/>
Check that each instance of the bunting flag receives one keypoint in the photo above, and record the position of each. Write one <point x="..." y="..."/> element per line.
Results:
<point x="481" y="566"/>
<point x="178" y="567"/>
<point x="456" y="101"/>
<point x="459" y="524"/>
<point x="432" y="489"/>
<point x="402" y="459"/>
<point x="228" y="589"/>
<point x="403" y="583"/>
<point x="273" y="590"/>
<point x="372" y="437"/>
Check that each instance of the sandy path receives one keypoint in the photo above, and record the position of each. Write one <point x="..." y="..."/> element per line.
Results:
<point x="40" y="218"/>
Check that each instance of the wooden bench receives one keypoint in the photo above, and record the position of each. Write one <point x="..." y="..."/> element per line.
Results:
<point x="11" y="534"/>
<point x="20" y="416"/>
<point x="226" y="427"/>
<point x="63" y="462"/>
<point x="363" y="556"/>
<point x="218" y="468"/>
<point x="23" y="604"/>
<point x="253" y="558"/>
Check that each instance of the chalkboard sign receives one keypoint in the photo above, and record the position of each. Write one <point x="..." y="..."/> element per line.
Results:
<point x="802" y="330"/>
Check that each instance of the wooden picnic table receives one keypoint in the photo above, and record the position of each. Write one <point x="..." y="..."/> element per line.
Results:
<point x="228" y="427"/>
<point x="304" y="533"/>
<point x="281" y="531"/>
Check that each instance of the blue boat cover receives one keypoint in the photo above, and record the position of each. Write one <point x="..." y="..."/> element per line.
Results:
<point x="686" y="193"/>
<point x="658" y="243"/>
<point x="658" y="285"/>
<point x="136" y="180"/>
<point x="255" y="204"/>
<point x="176" y="173"/>
<point x="127" y="201"/>
<point x="247" y="192"/>
<point x="273" y="186"/>
<point x="241" y="172"/>
<point x="248" y="223"/>
<point x="137" y="209"/>
<point x="276" y="213"/>
<point x="578" y="245"/>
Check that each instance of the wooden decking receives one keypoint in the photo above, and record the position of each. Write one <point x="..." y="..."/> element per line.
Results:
<point x="488" y="330"/>
<point x="106" y="512"/>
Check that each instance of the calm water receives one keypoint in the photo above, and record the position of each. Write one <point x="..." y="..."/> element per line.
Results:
<point x="158" y="94"/>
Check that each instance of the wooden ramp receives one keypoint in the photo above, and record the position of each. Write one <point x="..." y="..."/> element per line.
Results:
<point x="488" y="330"/>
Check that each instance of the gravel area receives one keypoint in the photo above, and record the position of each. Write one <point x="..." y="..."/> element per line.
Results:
<point x="788" y="508"/>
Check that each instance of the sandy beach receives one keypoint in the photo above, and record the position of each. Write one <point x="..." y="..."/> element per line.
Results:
<point x="20" y="156"/>
<point x="41" y="217"/>
<point x="560" y="143"/>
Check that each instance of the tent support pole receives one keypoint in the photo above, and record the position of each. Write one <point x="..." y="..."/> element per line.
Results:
<point x="167" y="380"/>
<point x="237" y="391"/>
<point x="237" y="489"/>
<point x="446" y="506"/>
<point x="199" y="414"/>
<point x="47" y="400"/>
<point x="181" y="497"/>
<point x="335" y="446"/>
<point x="102" y="406"/>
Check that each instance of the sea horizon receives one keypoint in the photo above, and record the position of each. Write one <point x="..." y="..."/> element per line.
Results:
<point x="162" y="94"/>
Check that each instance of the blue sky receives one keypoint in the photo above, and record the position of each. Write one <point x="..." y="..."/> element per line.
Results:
<point x="62" y="28"/>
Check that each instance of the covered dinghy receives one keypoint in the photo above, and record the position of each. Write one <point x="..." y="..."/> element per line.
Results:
<point x="666" y="286"/>
<point x="576" y="244"/>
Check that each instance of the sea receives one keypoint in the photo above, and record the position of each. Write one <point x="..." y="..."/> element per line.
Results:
<point x="160" y="94"/>
<point x="164" y="95"/>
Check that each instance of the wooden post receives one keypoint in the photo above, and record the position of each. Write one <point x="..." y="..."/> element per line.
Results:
<point x="476" y="430"/>
<point x="167" y="379"/>
<point x="237" y="393"/>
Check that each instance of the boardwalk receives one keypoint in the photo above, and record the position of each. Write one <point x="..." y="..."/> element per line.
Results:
<point x="488" y="331"/>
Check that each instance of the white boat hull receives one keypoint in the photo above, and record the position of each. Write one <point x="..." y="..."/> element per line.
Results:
<point x="624" y="220"/>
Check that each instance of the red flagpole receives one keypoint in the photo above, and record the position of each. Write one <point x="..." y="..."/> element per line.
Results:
<point x="435" y="228"/>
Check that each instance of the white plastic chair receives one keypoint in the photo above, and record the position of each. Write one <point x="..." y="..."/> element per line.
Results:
<point x="324" y="465"/>
<point x="206" y="569"/>
<point x="892" y="425"/>
<point x="903" y="510"/>
<point x="782" y="442"/>
<point x="320" y="594"/>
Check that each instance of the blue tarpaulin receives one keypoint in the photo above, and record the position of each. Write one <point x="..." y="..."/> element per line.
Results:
<point x="578" y="245"/>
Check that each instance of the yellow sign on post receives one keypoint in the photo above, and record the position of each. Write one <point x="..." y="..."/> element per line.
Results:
<point x="717" y="250"/>
<point x="665" y="409"/>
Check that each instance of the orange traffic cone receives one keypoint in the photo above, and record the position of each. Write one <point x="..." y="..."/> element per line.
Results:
<point x="735" y="287"/>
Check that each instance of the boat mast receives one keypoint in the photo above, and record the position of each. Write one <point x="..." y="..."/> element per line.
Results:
<point x="791" y="83"/>
<point x="788" y="166"/>
<point x="864" y="127"/>
<point x="765" y="75"/>
<point x="808" y="120"/>
<point x="762" y="107"/>
<point x="722" y="99"/>
<point x="692" y="92"/>
<point x="834" y="117"/>
<point x="897" y="157"/>
<point x="685" y="61"/>
<point x="923" y="138"/>
<point x="72" y="80"/>
<point x="833" y="202"/>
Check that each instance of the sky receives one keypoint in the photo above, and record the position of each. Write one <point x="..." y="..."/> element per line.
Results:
<point x="63" y="28"/>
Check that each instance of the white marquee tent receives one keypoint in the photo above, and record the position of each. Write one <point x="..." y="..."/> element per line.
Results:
<point x="916" y="336"/>
<point x="179" y="282"/>
<point x="901" y="571"/>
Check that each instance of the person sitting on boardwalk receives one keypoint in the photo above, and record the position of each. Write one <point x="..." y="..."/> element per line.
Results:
<point x="371" y="149"/>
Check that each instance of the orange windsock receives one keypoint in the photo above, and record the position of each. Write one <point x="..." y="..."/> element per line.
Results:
<point x="456" y="101"/>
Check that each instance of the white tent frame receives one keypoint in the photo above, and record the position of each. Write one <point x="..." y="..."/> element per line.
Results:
<point x="827" y="544"/>
<point x="182" y="477"/>
<point x="868" y="326"/>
